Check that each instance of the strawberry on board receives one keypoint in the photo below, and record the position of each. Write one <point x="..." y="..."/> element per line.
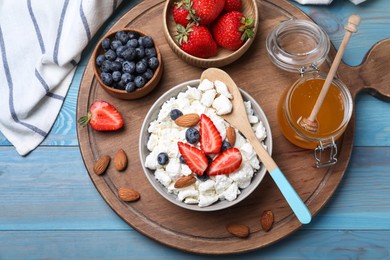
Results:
<point x="232" y="29"/>
<point x="232" y="5"/>
<point x="195" y="158"/>
<point x="102" y="116"/>
<point x="196" y="40"/>
<point x="210" y="139"/>
<point x="226" y="162"/>
<point x="207" y="10"/>
<point x="183" y="13"/>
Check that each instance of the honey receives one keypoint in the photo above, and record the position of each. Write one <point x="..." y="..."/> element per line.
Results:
<point x="299" y="100"/>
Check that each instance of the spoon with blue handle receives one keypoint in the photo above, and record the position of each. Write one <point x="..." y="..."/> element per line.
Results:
<point x="239" y="119"/>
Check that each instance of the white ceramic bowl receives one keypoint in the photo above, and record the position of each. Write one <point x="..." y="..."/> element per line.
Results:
<point x="143" y="151"/>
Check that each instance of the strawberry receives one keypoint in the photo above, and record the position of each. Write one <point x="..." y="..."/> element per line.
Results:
<point x="210" y="139"/>
<point x="196" y="40"/>
<point x="194" y="158"/>
<point x="232" y="5"/>
<point x="207" y="10"/>
<point x="183" y="13"/>
<point x="226" y="162"/>
<point x="232" y="29"/>
<point x="102" y="116"/>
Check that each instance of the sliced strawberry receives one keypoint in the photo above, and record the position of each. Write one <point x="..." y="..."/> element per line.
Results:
<point x="210" y="139"/>
<point x="102" y="116"/>
<point x="195" y="158"/>
<point x="226" y="162"/>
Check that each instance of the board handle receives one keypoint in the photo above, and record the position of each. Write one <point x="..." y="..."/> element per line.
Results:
<point x="373" y="75"/>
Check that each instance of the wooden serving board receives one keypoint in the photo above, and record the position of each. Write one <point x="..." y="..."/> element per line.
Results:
<point x="204" y="232"/>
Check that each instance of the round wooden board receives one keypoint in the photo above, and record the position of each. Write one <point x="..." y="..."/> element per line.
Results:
<point x="205" y="232"/>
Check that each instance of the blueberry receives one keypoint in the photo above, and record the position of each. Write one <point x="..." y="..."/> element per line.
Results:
<point x="122" y="36"/>
<point x="106" y="66"/>
<point x="115" y="44"/>
<point x="139" y="81"/>
<point x="110" y="55"/>
<point x="175" y="113"/>
<point x="120" y="85"/>
<point x="100" y="59"/>
<point x="106" y="44"/>
<point x="119" y="51"/>
<point x="225" y="145"/>
<point x="128" y="67"/>
<point x="116" y="66"/>
<point x="106" y="78"/>
<point x="129" y="54"/>
<point x="192" y="135"/>
<point x="119" y="59"/>
<point x="147" y="42"/>
<point x="140" y="67"/>
<point x="116" y="76"/>
<point x="153" y="63"/>
<point x="127" y="77"/>
<point x="133" y="35"/>
<point x="140" y="52"/>
<point x="162" y="158"/>
<point x="203" y="177"/>
<point x="182" y="160"/>
<point x="148" y="74"/>
<point x="130" y="87"/>
<point x="150" y="52"/>
<point x="132" y="43"/>
<point x="140" y="42"/>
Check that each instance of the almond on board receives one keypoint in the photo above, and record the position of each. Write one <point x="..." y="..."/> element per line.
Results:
<point x="120" y="160"/>
<point x="267" y="220"/>
<point x="101" y="164"/>
<point x="238" y="230"/>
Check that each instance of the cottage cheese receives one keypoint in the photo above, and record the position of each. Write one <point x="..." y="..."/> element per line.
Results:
<point x="212" y="99"/>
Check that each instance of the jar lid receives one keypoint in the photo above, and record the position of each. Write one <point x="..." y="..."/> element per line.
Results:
<point x="297" y="45"/>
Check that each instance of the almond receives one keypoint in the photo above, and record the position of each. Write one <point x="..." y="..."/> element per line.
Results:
<point x="238" y="230"/>
<point x="188" y="120"/>
<point x="185" y="181"/>
<point x="120" y="160"/>
<point x="128" y="194"/>
<point x="267" y="220"/>
<point x="101" y="164"/>
<point x="231" y="135"/>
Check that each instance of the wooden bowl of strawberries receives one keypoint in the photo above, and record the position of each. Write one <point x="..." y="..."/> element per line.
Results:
<point x="210" y="33"/>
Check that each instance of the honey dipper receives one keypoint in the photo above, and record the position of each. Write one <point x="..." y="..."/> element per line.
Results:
<point x="311" y="123"/>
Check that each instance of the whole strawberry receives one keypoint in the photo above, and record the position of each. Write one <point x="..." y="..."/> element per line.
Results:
<point x="183" y="13"/>
<point x="196" y="40"/>
<point x="232" y="29"/>
<point x="232" y="5"/>
<point x="207" y="10"/>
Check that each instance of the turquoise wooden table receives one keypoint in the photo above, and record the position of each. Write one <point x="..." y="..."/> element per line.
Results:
<point x="49" y="208"/>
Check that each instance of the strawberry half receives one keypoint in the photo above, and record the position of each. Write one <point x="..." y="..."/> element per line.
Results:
<point x="195" y="158"/>
<point x="226" y="162"/>
<point x="210" y="139"/>
<point x="102" y="116"/>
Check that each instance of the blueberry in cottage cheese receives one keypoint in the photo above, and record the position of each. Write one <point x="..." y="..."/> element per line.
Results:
<point x="213" y="100"/>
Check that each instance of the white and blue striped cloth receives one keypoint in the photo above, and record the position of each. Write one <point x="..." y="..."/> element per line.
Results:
<point x="40" y="45"/>
<point x="324" y="2"/>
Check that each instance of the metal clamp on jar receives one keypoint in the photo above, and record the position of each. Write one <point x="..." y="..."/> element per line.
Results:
<point x="301" y="46"/>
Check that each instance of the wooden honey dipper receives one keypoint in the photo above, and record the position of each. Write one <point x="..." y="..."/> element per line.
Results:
<point x="311" y="123"/>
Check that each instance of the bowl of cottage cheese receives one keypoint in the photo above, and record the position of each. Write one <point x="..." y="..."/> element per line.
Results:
<point x="165" y="166"/>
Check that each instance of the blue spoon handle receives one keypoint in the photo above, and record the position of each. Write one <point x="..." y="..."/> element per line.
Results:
<point x="293" y="199"/>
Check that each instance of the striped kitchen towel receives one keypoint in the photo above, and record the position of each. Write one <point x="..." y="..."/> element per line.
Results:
<point x="324" y="2"/>
<point x="41" y="43"/>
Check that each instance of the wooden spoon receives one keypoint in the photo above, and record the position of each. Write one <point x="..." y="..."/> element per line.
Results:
<point x="310" y="123"/>
<point x="239" y="119"/>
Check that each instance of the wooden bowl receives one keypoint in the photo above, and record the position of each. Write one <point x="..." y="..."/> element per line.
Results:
<point x="224" y="56"/>
<point x="123" y="94"/>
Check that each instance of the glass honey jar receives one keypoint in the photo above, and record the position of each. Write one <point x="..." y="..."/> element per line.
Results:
<point x="301" y="46"/>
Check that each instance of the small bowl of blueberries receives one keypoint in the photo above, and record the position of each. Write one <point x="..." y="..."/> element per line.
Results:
<point x="127" y="63"/>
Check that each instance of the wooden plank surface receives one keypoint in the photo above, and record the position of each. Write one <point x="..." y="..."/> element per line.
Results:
<point x="49" y="211"/>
